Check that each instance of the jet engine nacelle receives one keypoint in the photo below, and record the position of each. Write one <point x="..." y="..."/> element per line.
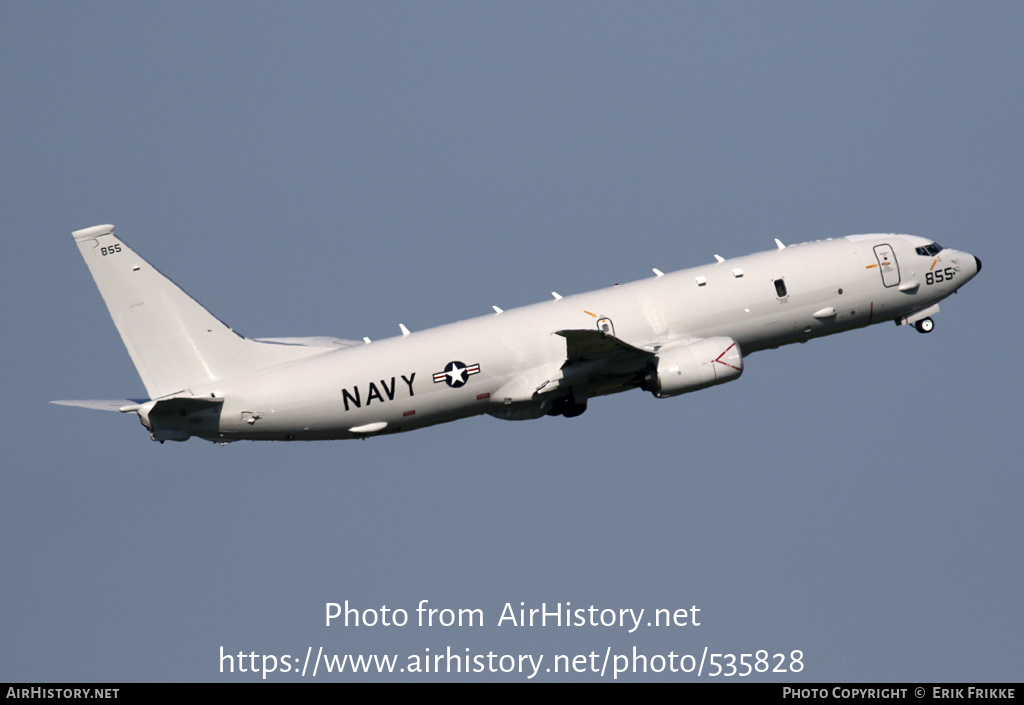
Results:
<point x="693" y="366"/>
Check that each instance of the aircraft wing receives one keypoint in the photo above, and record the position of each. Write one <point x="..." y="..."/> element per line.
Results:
<point x="589" y="345"/>
<point x="593" y="354"/>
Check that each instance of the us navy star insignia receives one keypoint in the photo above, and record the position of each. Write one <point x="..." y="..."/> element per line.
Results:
<point x="456" y="373"/>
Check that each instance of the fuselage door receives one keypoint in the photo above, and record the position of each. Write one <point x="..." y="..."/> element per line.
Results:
<point x="605" y="326"/>
<point x="887" y="264"/>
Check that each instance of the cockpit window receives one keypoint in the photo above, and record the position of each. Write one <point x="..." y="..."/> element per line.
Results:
<point x="930" y="250"/>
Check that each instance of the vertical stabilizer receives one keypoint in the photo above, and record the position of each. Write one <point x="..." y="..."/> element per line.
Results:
<point x="174" y="342"/>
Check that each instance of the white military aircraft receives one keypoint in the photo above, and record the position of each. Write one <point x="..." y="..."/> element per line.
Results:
<point x="669" y="334"/>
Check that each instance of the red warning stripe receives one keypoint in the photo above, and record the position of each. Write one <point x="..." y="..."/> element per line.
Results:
<point x="719" y="358"/>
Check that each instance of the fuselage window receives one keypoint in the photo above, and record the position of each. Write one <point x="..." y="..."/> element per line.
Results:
<point x="780" y="288"/>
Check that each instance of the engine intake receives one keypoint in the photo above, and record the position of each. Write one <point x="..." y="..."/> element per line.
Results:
<point x="692" y="366"/>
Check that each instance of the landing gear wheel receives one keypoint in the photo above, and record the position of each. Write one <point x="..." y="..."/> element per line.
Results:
<point x="568" y="407"/>
<point x="925" y="325"/>
<point x="574" y="410"/>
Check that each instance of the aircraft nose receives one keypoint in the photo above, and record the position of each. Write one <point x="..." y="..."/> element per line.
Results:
<point x="967" y="273"/>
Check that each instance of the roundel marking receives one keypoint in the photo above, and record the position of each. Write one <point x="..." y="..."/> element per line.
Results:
<point x="456" y="373"/>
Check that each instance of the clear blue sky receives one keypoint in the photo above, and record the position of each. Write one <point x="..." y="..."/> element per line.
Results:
<point x="338" y="168"/>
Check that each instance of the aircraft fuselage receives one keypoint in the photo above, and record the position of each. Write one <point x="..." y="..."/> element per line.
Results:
<point x="514" y="364"/>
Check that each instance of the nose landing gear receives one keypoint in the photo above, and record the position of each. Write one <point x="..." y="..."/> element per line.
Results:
<point x="925" y="325"/>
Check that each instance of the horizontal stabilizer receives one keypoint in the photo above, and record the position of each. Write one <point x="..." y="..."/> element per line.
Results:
<point x="171" y="419"/>
<point x="101" y="404"/>
<point x="184" y="405"/>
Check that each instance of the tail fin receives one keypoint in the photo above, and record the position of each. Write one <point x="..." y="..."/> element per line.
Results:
<point x="174" y="342"/>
